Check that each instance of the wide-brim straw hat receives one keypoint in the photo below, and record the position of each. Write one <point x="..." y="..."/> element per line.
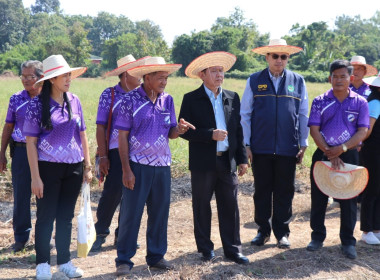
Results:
<point x="346" y="183"/>
<point x="207" y="60"/>
<point x="373" y="81"/>
<point x="277" y="45"/>
<point x="360" y="60"/>
<point x="56" y="65"/>
<point x="151" y="65"/>
<point x="125" y="63"/>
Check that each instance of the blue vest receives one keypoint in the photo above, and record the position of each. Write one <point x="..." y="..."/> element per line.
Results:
<point x="275" y="117"/>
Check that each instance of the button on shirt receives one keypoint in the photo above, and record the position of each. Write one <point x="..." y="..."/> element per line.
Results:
<point x="339" y="121"/>
<point x="217" y="105"/>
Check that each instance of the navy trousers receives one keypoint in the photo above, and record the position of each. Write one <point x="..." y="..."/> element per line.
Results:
<point x="152" y="187"/>
<point x="348" y="208"/>
<point x="111" y="195"/>
<point x="21" y="182"/>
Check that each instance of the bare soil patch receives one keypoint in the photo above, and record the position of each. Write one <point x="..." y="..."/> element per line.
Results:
<point x="267" y="262"/>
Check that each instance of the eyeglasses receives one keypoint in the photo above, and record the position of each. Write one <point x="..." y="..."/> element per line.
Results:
<point x="276" y="56"/>
<point x="28" y="77"/>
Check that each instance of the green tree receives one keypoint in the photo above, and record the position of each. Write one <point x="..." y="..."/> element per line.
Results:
<point x="46" y="6"/>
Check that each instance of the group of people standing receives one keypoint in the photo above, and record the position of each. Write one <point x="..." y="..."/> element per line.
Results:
<point x="268" y="130"/>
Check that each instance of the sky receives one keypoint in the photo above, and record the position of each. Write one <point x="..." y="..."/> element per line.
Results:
<point x="177" y="17"/>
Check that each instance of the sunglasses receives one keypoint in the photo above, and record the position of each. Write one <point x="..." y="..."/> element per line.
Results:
<point x="276" y="56"/>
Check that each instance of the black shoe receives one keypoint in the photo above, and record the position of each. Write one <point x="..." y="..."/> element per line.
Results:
<point x="260" y="239"/>
<point x="208" y="256"/>
<point x="238" y="258"/>
<point x="314" y="245"/>
<point x="283" y="243"/>
<point x="349" y="251"/>
<point x="18" y="246"/>
<point x="98" y="243"/>
<point x="162" y="264"/>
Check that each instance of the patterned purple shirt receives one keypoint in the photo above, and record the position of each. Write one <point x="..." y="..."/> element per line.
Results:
<point x="338" y="122"/>
<point x="62" y="143"/>
<point x="104" y="109"/>
<point x="148" y="125"/>
<point x="16" y="114"/>
<point x="363" y="90"/>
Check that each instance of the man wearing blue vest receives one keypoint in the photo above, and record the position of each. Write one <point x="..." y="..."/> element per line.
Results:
<point x="274" y="116"/>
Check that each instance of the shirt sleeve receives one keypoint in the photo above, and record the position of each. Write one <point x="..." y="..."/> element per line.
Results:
<point x="246" y="109"/>
<point x="363" y="120"/>
<point x="83" y="124"/>
<point x="103" y="107"/>
<point x="315" y="114"/>
<point x="173" y="120"/>
<point x="374" y="108"/>
<point x="303" y="117"/>
<point x="32" y="123"/>
<point x="11" y="113"/>
<point x="124" y="117"/>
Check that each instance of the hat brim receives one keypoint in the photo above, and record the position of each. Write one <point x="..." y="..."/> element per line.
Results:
<point x="371" y="70"/>
<point x="142" y="70"/>
<point x="223" y="59"/>
<point x="278" y="48"/>
<point x="125" y="67"/>
<point x="321" y="174"/>
<point x="373" y="81"/>
<point x="75" y="73"/>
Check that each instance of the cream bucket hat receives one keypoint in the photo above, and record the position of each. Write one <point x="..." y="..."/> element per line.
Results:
<point x="373" y="81"/>
<point x="360" y="60"/>
<point x="218" y="58"/>
<point x="277" y="45"/>
<point x="345" y="183"/>
<point x="56" y="65"/>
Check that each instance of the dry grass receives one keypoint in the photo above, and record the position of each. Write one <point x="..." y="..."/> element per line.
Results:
<point x="267" y="262"/>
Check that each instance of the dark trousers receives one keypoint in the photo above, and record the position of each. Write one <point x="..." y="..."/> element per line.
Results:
<point x="348" y="208"/>
<point x="274" y="182"/>
<point x="370" y="206"/>
<point x="224" y="184"/>
<point x="152" y="187"/>
<point x="62" y="184"/>
<point x="21" y="182"/>
<point x="111" y="195"/>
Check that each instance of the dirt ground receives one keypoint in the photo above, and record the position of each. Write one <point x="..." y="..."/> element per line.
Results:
<point x="267" y="262"/>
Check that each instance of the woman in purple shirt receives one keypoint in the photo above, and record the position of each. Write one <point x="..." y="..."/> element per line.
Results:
<point x="31" y="71"/>
<point x="57" y="150"/>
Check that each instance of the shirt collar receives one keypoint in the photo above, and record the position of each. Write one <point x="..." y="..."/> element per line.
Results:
<point x="25" y="94"/>
<point x="210" y="93"/>
<point x="273" y="77"/>
<point x="351" y="94"/>
<point x="142" y="92"/>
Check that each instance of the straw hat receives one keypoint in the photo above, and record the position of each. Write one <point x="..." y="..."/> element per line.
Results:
<point x="125" y="63"/>
<point x="151" y="65"/>
<point x="360" y="60"/>
<point x="219" y="58"/>
<point x="346" y="183"/>
<point x="373" y="81"/>
<point x="277" y="45"/>
<point x="56" y="65"/>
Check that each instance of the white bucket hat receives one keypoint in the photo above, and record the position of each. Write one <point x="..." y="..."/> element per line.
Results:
<point x="373" y="81"/>
<point x="125" y="63"/>
<point x="360" y="60"/>
<point x="346" y="183"/>
<point x="218" y="58"/>
<point x="56" y="65"/>
<point x="277" y="45"/>
<point x="151" y="65"/>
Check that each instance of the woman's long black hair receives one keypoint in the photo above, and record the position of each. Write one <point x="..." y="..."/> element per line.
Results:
<point x="375" y="93"/>
<point x="45" y="99"/>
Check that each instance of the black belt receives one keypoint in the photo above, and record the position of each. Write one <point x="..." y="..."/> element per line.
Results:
<point x="220" y="154"/>
<point x="20" y="144"/>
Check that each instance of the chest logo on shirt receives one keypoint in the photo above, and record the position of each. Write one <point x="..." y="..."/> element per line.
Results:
<point x="290" y="88"/>
<point x="351" y="117"/>
<point x="262" y="87"/>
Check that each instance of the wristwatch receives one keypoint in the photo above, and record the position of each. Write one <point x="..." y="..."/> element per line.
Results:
<point x="344" y="148"/>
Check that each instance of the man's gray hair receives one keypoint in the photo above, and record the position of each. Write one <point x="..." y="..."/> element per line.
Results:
<point x="37" y="65"/>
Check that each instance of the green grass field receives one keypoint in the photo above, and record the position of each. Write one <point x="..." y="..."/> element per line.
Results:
<point x="89" y="91"/>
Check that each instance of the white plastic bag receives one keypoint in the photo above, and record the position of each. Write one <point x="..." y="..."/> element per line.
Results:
<point x="86" y="227"/>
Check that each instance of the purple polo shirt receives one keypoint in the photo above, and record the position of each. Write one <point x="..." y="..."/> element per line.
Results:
<point x="148" y="125"/>
<point x="16" y="114"/>
<point x="338" y="122"/>
<point x="104" y="109"/>
<point x="62" y="143"/>
<point x="363" y="90"/>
